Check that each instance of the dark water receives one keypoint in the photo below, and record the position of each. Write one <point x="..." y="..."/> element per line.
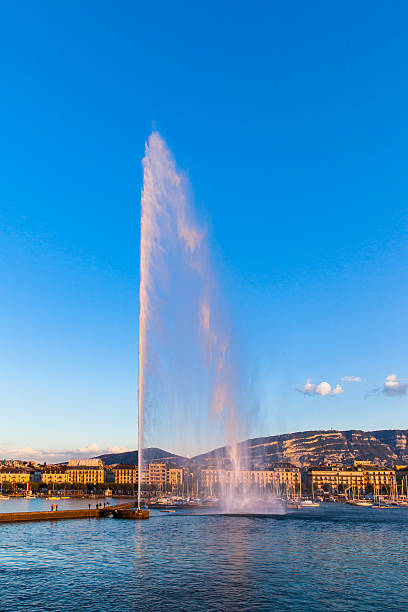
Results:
<point x="328" y="558"/>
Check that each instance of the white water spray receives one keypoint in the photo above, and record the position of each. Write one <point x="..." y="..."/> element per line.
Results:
<point x="185" y="359"/>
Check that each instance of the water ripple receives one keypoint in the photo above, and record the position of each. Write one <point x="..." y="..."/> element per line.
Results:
<point x="335" y="559"/>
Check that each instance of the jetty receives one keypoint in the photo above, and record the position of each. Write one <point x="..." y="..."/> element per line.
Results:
<point x="57" y="515"/>
<point x="139" y="513"/>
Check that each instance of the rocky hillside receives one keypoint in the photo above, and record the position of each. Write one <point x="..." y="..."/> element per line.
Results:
<point x="384" y="447"/>
<point x="149" y="454"/>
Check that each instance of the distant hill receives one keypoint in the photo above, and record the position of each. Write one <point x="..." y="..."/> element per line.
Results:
<point x="149" y="454"/>
<point x="384" y="447"/>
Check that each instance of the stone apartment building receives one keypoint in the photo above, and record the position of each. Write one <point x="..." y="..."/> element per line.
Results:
<point x="159" y="474"/>
<point x="359" y="477"/>
<point x="280" y="476"/>
<point x="77" y="471"/>
<point x="14" y="475"/>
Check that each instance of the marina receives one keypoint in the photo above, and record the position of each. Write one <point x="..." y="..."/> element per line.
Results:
<point x="24" y="509"/>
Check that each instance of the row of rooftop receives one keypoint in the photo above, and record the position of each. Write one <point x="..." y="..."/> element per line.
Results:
<point x="92" y="472"/>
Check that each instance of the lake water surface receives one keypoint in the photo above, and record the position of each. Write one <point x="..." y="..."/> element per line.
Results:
<point x="330" y="558"/>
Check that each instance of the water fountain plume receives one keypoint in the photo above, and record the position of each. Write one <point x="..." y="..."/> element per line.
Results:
<point x="186" y="362"/>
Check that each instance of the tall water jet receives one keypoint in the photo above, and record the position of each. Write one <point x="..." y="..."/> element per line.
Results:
<point x="186" y="363"/>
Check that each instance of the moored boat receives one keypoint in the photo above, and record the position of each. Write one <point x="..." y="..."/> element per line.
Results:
<point x="359" y="502"/>
<point x="381" y="506"/>
<point x="291" y="504"/>
<point x="309" y="503"/>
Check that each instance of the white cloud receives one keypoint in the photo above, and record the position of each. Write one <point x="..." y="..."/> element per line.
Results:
<point x="52" y="456"/>
<point x="351" y="379"/>
<point x="27" y="451"/>
<point x="394" y="386"/>
<point x="91" y="448"/>
<point x="118" y="449"/>
<point x="323" y="388"/>
<point x="308" y="389"/>
<point x="337" y="390"/>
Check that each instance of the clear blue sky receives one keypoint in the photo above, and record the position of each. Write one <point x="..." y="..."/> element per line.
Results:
<point x="291" y="122"/>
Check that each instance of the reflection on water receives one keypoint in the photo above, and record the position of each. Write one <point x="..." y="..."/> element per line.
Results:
<point x="333" y="557"/>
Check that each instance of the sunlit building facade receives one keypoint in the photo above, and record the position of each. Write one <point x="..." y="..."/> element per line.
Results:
<point x="158" y="474"/>
<point x="342" y="478"/>
<point x="12" y="475"/>
<point x="279" y="477"/>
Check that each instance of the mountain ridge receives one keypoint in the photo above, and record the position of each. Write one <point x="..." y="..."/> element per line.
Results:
<point x="383" y="447"/>
<point x="149" y="454"/>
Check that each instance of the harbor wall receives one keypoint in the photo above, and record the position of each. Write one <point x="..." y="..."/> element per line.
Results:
<point x="55" y="515"/>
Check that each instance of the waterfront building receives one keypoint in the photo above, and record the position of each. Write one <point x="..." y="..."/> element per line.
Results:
<point x="35" y="475"/>
<point x="401" y="475"/>
<point x="287" y="475"/>
<point x="334" y="478"/>
<point x="85" y="475"/>
<point x="174" y="476"/>
<point x="109" y="476"/>
<point x="127" y="474"/>
<point x="280" y="477"/>
<point x="54" y="475"/>
<point x="379" y="477"/>
<point x="158" y="474"/>
<point x="59" y="475"/>
<point x="360" y="477"/>
<point x="161" y="474"/>
<point x="14" y="475"/>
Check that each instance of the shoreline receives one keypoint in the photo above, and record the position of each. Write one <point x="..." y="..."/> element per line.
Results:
<point x="52" y="515"/>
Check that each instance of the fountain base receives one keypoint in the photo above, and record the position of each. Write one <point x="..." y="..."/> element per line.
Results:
<point x="138" y="514"/>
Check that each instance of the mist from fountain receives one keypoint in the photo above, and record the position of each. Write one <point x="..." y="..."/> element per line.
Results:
<point x="188" y="384"/>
